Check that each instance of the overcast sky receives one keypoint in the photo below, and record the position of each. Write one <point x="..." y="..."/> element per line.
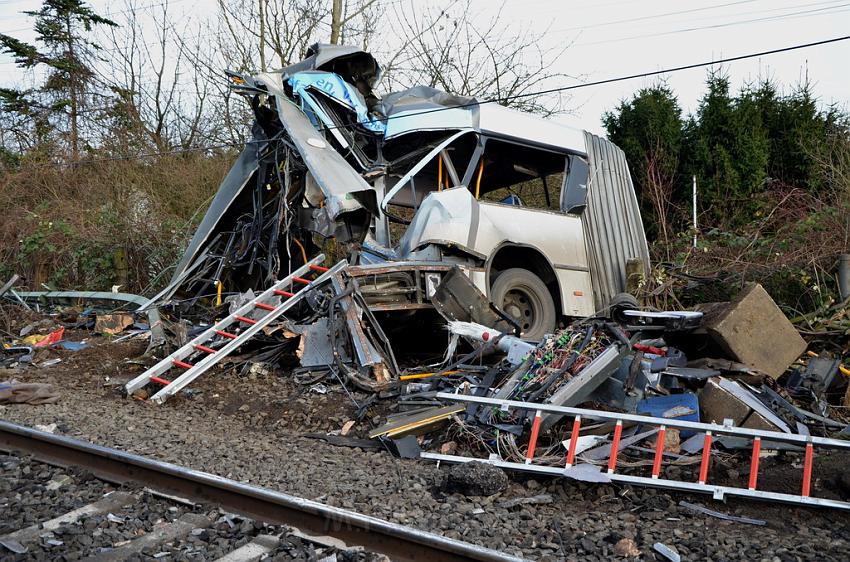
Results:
<point x="612" y="38"/>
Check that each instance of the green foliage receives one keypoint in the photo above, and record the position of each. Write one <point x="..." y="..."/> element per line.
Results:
<point x="649" y="129"/>
<point x="773" y="177"/>
<point x="62" y="29"/>
<point x="727" y="150"/>
<point x="739" y="147"/>
<point x="92" y="227"/>
<point x="8" y="159"/>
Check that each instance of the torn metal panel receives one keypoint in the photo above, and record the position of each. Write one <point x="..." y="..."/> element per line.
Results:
<point x="340" y="91"/>
<point x="317" y="345"/>
<point x="423" y="108"/>
<point x="232" y="185"/>
<point x="612" y="222"/>
<point x="456" y="298"/>
<point x="344" y="189"/>
<point x="367" y="355"/>
<point x="816" y="379"/>
<point x="449" y="217"/>
<point x="780" y="405"/>
<point x="355" y="65"/>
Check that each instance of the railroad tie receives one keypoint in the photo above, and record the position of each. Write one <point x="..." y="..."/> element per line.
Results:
<point x="254" y="550"/>
<point x="171" y="532"/>
<point x="111" y="502"/>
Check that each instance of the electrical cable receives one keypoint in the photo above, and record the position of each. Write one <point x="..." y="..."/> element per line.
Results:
<point x="793" y="15"/>
<point x="646" y="74"/>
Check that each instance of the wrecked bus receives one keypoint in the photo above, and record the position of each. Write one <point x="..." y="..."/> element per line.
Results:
<point x="541" y="217"/>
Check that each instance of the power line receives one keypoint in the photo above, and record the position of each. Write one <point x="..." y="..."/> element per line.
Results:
<point x="794" y="15"/>
<point x="508" y="98"/>
<point x="619" y="78"/>
<point x="655" y="16"/>
<point x="702" y="17"/>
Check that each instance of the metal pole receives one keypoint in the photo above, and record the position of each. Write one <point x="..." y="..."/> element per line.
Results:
<point x="695" y="210"/>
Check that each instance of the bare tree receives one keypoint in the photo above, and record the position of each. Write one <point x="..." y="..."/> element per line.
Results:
<point x="660" y="171"/>
<point x="454" y="49"/>
<point x="158" y="108"/>
<point x="353" y="22"/>
<point x="169" y="75"/>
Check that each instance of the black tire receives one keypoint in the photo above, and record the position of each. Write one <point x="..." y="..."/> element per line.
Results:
<point x="525" y="298"/>
<point x="619" y="303"/>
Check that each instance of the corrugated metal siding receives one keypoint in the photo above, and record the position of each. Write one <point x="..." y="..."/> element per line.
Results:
<point x="612" y="223"/>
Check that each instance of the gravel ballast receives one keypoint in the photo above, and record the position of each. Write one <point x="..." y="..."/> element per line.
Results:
<point x="253" y="429"/>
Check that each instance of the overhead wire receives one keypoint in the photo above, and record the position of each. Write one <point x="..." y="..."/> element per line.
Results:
<point x="476" y="103"/>
<point x="827" y="10"/>
<point x="655" y="16"/>
<point x="647" y="74"/>
<point x="702" y="17"/>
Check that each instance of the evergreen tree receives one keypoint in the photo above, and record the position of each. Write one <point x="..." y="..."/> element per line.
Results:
<point x="797" y="129"/>
<point x="649" y="130"/>
<point x="727" y="150"/>
<point x="63" y="100"/>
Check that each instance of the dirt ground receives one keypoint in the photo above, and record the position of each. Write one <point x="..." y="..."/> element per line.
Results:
<point x="254" y="428"/>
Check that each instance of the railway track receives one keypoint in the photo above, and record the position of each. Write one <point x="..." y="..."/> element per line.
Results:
<point x="310" y="520"/>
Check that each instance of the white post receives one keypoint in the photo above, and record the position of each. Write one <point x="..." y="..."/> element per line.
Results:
<point x="695" y="211"/>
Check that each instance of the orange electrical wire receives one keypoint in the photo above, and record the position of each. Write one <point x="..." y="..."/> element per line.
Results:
<point x="440" y="173"/>
<point x="478" y="181"/>
<point x="303" y="251"/>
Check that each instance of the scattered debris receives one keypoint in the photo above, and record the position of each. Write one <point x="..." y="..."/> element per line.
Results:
<point x="14" y="392"/>
<point x="447" y="312"/>
<point x="59" y="481"/>
<point x="538" y="499"/>
<point x="112" y="324"/>
<point x="13" y="546"/>
<point x="50" y="362"/>
<point x="626" y="548"/>
<point x="749" y="328"/>
<point x="725" y="516"/>
<point x="667" y="552"/>
<point x="474" y="479"/>
<point x="346" y="427"/>
<point x="47" y="340"/>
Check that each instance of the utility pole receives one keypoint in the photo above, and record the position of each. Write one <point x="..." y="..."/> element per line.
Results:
<point x="695" y="211"/>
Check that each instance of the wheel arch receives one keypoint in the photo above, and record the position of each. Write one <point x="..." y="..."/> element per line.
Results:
<point x="514" y="254"/>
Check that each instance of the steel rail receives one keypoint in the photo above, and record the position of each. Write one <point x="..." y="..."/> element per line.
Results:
<point x="399" y="542"/>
